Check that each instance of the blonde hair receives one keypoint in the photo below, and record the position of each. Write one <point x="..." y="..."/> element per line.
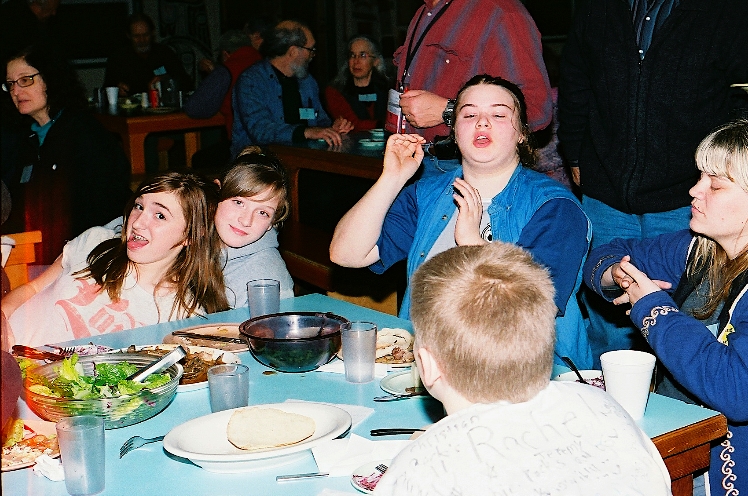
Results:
<point x="251" y="173"/>
<point x="487" y="315"/>
<point x="723" y="153"/>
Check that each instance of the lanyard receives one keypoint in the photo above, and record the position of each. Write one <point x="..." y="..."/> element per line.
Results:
<point x="410" y="54"/>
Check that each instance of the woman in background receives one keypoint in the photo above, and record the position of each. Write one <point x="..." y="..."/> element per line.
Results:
<point x="72" y="173"/>
<point x="359" y="92"/>
<point x="163" y="266"/>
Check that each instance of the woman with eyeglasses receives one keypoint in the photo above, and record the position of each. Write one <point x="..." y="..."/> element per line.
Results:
<point x="71" y="173"/>
<point x="359" y="92"/>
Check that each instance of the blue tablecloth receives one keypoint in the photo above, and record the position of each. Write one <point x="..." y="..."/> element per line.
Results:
<point x="152" y="470"/>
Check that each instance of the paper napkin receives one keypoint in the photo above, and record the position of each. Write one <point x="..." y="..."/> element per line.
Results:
<point x="340" y="457"/>
<point x="380" y="369"/>
<point x="49" y="468"/>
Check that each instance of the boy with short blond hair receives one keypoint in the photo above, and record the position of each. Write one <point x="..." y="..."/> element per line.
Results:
<point x="484" y="326"/>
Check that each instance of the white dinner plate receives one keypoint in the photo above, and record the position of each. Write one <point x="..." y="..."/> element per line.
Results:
<point x="14" y="459"/>
<point x="204" y="442"/>
<point x="228" y="357"/>
<point x="371" y="143"/>
<point x="366" y="477"/>
<point x="398" y="382"/>
<point x="224" y="329"/>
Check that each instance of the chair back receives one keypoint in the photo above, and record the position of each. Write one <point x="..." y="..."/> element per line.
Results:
<point x="21" y="256"/>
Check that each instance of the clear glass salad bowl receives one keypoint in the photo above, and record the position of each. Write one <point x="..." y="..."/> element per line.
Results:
<point x="117" y="412"/>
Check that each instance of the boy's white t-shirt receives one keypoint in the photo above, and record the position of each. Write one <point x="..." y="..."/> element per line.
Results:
<point x="71" y="308"/>
<point x="571" y="439"/>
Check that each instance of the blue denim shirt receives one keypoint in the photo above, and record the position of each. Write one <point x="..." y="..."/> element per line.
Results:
<point x="510" y="211"/>
<point x="257" y="101"/>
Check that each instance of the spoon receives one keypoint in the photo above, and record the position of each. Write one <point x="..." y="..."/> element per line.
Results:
<point x="157" y="366"/>
<point x="574" y="368"/>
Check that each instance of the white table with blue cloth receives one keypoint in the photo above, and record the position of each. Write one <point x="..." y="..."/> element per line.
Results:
<point x="152" y="470"/>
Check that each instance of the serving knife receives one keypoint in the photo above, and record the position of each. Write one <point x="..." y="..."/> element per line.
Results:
<point x="209" y="337"/>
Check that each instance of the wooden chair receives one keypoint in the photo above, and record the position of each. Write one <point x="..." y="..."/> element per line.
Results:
<point x="21" y="256"/>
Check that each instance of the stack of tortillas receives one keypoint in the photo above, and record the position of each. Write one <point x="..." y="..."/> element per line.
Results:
<point x="259" y="428"/>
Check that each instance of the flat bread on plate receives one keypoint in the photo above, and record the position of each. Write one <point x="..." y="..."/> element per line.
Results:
<point x="259" y="428"/>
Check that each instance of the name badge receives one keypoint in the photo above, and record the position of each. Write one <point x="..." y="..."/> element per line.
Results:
<point x="307" y="114"/>
<point x="394" y="121"/>
<point x="160" y="71"/>
<point x="26" y="173"/>
<point x="367" y="97"/>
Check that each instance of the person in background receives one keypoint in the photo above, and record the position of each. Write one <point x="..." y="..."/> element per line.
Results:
<point x="550" y="162"/>
<point x="277" y="100"/>
<point x="359" y="92"/>
<point x="238" y="50"/>
<point x="26" y="22"/>
<point x="642" y="83"/>
<point x="450" y="41"/>
<point x="137" y="67"/>
<point x="689" y="297"/>
<point x="72" y="173"/>
<point x="163" y="266"/>
<point x="253" y="203"/>
<point x="493" y="196"/>
<point x="483" y="318"/>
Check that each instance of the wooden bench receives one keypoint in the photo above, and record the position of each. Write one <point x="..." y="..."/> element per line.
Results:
<point x="305" y="239"/>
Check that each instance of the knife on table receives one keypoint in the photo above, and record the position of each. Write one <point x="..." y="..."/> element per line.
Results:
<point x="210" y="337"/>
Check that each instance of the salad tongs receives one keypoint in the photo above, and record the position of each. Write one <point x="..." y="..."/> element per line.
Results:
<point x="157" y="366"/>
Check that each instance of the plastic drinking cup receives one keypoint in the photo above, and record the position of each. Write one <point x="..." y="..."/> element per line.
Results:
<point x="81" y="442"/>
<point x="628" y="377"/>
<point x="263" y="296"/>
<point x="359" y="351"/>
<point x="112" y="92"/>
<point x="228" y="386"/>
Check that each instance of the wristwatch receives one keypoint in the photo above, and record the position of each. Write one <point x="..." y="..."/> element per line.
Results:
<point x="448" y="116"/>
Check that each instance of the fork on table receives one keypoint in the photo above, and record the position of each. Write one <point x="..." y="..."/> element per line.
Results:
<point x="136" y="442"/>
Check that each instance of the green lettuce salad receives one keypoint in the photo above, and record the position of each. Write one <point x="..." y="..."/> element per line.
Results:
<point x="108" y="381"/>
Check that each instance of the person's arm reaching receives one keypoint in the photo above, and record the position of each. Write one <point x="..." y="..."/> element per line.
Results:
<point x="354" y="243"/>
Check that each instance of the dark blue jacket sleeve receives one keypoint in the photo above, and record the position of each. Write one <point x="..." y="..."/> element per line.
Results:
<point x="713" y="372"/>
<point x="206" y="101"/>
<point x="398" y="230"/>
<point x="557" y="238"/>
<point x="662" y="257"/>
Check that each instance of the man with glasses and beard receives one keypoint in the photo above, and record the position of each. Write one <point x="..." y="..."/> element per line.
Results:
<point x="276" y="100"/>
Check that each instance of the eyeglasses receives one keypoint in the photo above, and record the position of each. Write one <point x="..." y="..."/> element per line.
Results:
<point x="23" y="82"/>
<point x="312" y="50"/>
<point x="360" y="55"/>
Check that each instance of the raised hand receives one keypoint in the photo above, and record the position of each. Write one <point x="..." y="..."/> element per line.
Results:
<point x="469" y="213"/>
<point x="403" y="155"/>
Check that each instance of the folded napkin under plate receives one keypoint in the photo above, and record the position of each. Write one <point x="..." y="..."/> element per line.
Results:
<point x="340" y="457"/>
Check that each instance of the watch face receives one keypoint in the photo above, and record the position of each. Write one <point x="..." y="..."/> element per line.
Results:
<point x="448" y="115"/>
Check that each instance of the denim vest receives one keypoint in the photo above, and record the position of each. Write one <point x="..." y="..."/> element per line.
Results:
<point x="510" y="211"/>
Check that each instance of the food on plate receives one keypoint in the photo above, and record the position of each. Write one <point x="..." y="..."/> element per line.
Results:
<point x="258" y="428"/>
<point x="596" y="381"/>
<point x="108" y="381"/>
<point x="195" y="364"/>
<point x="24" y="446"/>
<point x="394" y="346"/>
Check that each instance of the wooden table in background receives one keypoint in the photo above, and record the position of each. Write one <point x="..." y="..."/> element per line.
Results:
<point x="133" y="130"/>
